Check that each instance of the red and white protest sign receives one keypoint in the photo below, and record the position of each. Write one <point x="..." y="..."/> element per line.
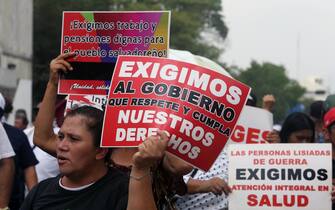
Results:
<point x="252" y="127"/>
<point x="198" y="107"/>
<point x="280" y="176"/>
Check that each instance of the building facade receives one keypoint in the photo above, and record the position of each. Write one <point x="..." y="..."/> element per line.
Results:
<point x="16" y="48"/>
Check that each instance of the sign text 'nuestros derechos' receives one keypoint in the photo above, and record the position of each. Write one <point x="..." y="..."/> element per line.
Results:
<point x="198" y="107"/>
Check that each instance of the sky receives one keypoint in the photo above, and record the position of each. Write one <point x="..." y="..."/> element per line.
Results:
<point x="298" y="34"/>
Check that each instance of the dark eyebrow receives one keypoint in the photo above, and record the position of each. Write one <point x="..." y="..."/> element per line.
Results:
<point x="74" y="136"/>
<point x="69" y="134"/>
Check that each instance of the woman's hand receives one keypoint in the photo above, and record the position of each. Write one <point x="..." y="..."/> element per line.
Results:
<point x="217" y="186"/>
<point x="150" y="151"/>
<point x="59" y="64"/>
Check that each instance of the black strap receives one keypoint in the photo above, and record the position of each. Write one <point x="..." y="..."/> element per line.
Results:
<point x="194" y="172"/>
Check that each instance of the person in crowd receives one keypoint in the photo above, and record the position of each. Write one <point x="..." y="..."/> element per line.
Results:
<point x="268" y="102"/>
<point x="24" y="160"/>
<point x="329" y="133"/>
<point x="7" y="167"/>
<point x="167" y="173"/>
<point x="316" y="112"/>
<point x="21" y="120"/>
<point x="86" y="181"/>
<point x="298" y="127"/>
<point x="207" y="190"/>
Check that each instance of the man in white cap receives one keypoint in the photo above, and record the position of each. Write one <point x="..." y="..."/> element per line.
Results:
<point x="6" y="164"/>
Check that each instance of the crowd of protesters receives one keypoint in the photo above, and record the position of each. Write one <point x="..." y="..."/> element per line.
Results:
<point x="44" y="166"/>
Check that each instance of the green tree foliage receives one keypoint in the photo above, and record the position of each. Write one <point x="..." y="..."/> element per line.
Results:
<point x="269" y="78"/>
<point x="189" y="19"/>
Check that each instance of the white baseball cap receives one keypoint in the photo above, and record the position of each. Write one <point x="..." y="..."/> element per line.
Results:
<point x="276" y="127"/>
<point x="2" y="102"/>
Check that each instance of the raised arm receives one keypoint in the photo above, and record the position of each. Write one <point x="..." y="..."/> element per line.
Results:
<point x="44" y="136"/>
<point x="140" y="188"/>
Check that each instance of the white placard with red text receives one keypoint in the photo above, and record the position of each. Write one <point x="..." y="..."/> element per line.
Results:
<point x="252" y="127"/>
<point x="198" y="107"/>
<point x="280" y="176"/>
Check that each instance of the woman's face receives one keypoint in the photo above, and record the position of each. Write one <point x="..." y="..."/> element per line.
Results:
<point x="75" y="146"/>
<point x="302" y="136"/>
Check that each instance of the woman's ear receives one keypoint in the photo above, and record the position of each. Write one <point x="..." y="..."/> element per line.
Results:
<point x="101" y="153"/>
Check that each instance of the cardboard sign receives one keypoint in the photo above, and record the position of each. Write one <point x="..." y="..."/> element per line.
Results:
<point x="198" y="107"/>
<point x="99" y="37"/>
<point x="252" y="127"/>
<point x="75" y="101"/>
<point x="280" y="176"/>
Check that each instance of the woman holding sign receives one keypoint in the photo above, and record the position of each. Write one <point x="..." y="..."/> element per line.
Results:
<point x="86" y="181"/>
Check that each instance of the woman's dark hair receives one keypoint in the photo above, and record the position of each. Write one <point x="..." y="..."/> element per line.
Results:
<point x="94" y="120"/>
<point x="296" y="121"/>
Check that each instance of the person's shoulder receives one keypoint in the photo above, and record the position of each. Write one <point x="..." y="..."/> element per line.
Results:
<point x="49" y="183"/>
<point x="8" y="127"/>
<point x="13" y="136"/>
<point x="11" y="130"/>
<point x="119" y="179"/>
<point x="21" y="145"/>
<point x="117" y="175"/>
<point x="114" y="185"/>
<point x="41" y="189"/>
